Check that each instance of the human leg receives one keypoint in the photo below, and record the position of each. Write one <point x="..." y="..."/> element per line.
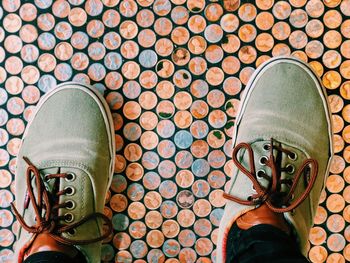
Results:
<point x="53" y="257"/>
<point x="282" y="152"/>
<point x="64" y="169"/>
<point x="262" y="243"/>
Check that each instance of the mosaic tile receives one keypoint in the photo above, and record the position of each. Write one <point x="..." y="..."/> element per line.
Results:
<point x="172" y="72"/>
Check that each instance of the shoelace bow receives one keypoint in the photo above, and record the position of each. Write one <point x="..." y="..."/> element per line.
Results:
<point x="49" y="222"/>
<point x="269" y="195"/>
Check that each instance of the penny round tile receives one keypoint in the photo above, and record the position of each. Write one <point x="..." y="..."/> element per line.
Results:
<point x="172" y="73"/>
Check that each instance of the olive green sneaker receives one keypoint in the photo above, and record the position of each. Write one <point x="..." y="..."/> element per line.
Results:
<point x="282" y="148"/>
<point x="64" y="169"/>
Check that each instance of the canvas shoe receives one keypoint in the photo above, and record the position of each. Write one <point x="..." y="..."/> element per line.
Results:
<point x="282" y="148"/>
<point x="64" y="169"/>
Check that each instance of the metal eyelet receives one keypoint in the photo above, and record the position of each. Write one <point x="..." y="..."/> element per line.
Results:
<point x="71" y="190"/>
<point x="292" y="156"/>
<point x="70" y="177"/>
<point x="46" y="178"/>
<point x="68" y="217"/>
<point x="290" y="169"/>
<point x="71" y="205"/>
<point x="259" y="173"/>
<point x="71" y="232"/>
<point x="263" y="160"/>
<point x="266" y="146"/>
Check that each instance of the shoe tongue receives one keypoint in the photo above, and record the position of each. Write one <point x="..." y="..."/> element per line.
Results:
<point x="260" y="152"/>
<point x="49" y="185"/>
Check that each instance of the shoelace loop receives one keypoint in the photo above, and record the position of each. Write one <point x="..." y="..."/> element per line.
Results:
<point x="48" y="223"/>
<point x="270" y="194"/>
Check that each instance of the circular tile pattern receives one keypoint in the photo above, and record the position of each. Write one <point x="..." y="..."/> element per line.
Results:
<point x="172" y="73"/>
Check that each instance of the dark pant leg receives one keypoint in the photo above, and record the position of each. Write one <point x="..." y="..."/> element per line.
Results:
<point x="54" y="257"/>
<point x="262" y="244"/>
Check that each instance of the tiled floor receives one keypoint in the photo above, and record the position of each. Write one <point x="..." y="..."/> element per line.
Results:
<point x="172" y="72"/>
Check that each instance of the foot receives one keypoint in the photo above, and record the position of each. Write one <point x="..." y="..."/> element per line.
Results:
<point x="263" y="215"/>
<point x="282" y="152"/>
<point x="64" y="169"/>
<point x="44" y="242"/>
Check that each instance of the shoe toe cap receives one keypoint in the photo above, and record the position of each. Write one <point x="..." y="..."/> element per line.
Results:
<point x="286" y="100"/>
<point x="69" y="120"/>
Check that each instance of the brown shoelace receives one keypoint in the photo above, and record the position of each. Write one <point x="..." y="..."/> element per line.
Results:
<point x="273" y="192"/>
<point x="49" y="222"/>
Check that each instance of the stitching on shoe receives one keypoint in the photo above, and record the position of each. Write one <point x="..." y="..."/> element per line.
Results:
<point x="83" y="193"/>
<point x="294" y="144"/>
